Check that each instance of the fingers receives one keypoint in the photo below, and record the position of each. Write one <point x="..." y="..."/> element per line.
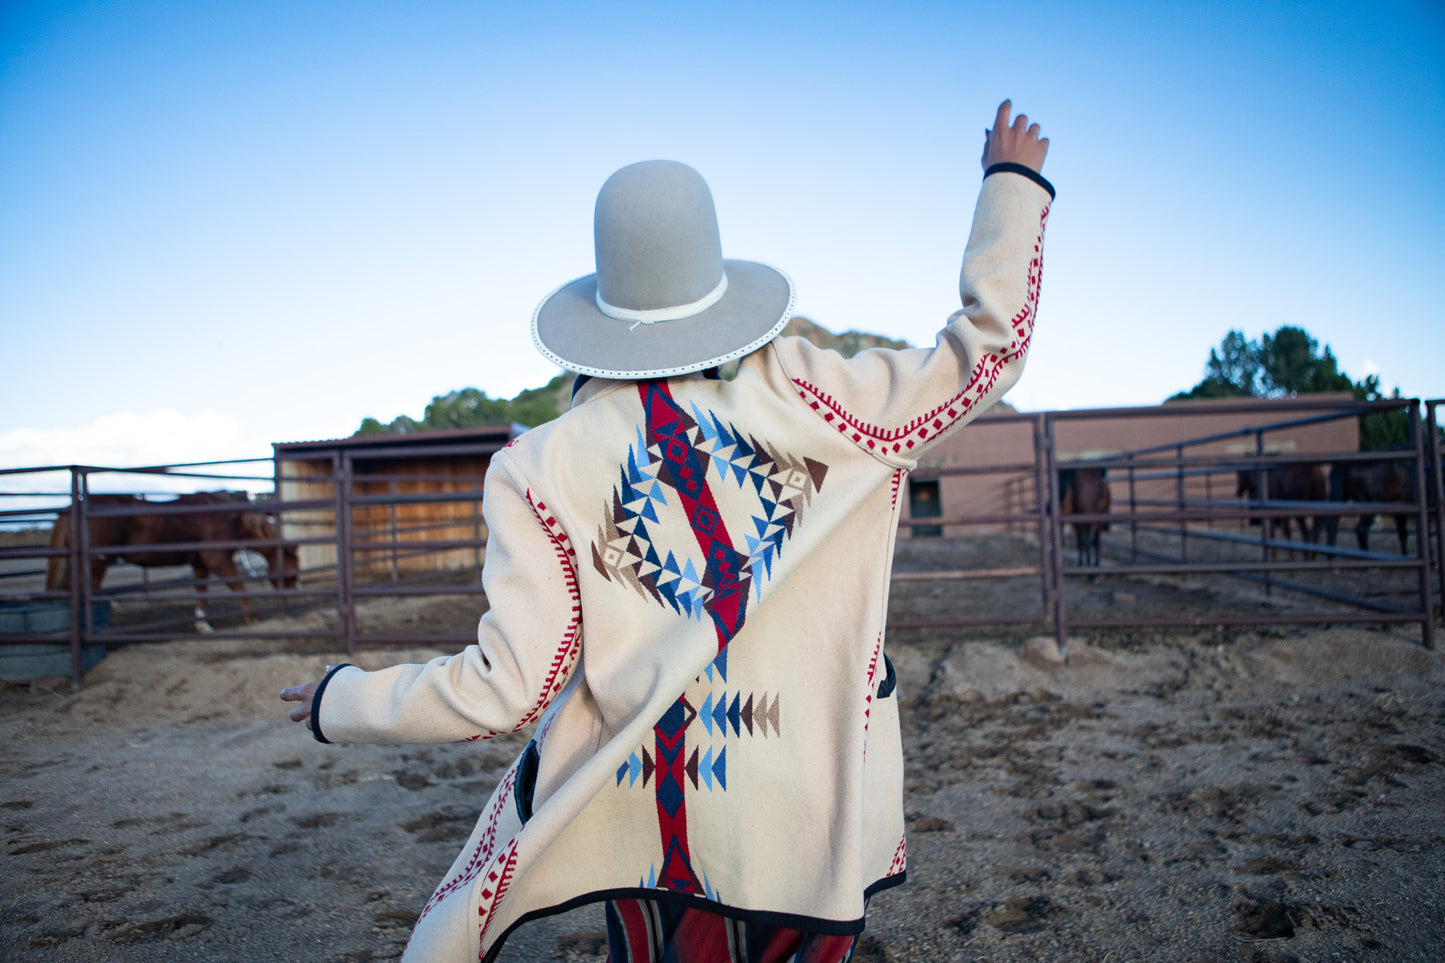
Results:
<point x="1014" y="139"/>
<point x="1000" y="121"/>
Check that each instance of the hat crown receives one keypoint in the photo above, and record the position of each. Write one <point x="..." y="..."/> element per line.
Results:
<point x="656" y="238"/>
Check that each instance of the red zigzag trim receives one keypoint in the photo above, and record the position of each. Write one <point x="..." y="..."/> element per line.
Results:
<point x="500" y="879"/>
<point x="981" y="380"/>
<point x="482" y="855"/>
<point x="900" y="857"/>
<point x="566" y="654"/>
<point x="872" y="690"/>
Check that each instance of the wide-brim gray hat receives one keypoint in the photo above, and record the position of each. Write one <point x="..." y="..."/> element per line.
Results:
<point x="663" y="301"/>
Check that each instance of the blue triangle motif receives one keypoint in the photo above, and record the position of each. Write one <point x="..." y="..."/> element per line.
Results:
<point x="634" y="766"/>
<point x="722" y="663"/>
<point x="729" y="439"/>
<point x="634" y="471"/>
<point x="705" y="769"/>
<point x="702" y="422"/>
<point x="719" y="715"/>
<point x="706" y="712"/>
<point x="720" y="769"/>
<point x="735" y="713"/>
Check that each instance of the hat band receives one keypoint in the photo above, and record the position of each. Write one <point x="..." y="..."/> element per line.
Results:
<point x="655" y="315"/>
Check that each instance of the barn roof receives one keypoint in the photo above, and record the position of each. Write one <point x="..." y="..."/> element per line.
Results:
<point x="481" y="440"/>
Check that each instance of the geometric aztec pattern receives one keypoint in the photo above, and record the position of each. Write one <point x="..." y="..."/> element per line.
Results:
<point x="665" y="537"/>
<point x="627" y="550"/>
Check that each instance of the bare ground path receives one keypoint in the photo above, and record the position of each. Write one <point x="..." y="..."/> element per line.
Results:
<point x="1203" y="796"/>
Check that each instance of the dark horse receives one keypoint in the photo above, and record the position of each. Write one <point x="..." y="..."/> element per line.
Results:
<point x="232" y="523"/>
<point x="1085" y="491"/>
<point x="1383" y="480"/>
<point x="1288" y="482"/>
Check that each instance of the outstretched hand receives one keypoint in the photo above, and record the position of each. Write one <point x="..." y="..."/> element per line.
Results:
<point x="303" y="694"/>
<point x="1016" y="143"/>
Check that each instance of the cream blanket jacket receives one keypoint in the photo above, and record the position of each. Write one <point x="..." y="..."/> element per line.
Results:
<point x="688" y="582"/>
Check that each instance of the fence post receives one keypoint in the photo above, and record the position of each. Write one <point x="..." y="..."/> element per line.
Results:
<point x="1041" y="499"/>
<point x="1422" y="527"/>
<point x="76" y="561"/>
<point x="1133" y="515"/>
<point x="1433" y="426"/>
<point x="1179" y="502"/>
<point x="1261" y="495"/>
<point x="341" y="492"/>
<point x="276" y="503"/>
<point x="395" y="559"/>
<point x="1056" y="536"/>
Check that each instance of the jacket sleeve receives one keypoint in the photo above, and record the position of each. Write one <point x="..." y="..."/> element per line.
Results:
<point x="527" y="642"/>
<point x="895" y="403"/>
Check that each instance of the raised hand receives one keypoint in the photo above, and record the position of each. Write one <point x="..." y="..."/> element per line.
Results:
<point x="1016" y="143"/>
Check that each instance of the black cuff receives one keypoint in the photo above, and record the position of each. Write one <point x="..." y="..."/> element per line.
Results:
<point x="1028" y="172"/>
<point x="316" y="704"/>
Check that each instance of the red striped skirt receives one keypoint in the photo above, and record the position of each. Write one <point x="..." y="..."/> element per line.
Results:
<point x="650" y="931"/>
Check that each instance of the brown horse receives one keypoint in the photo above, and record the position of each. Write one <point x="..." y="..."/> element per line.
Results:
<point x="139" y="524"/>
<point x="1288" y="482"/>
<point x="1085" y="491"/>
<point x="1385" y="480"/>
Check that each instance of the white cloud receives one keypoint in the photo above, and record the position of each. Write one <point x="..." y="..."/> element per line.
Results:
<point x="131" y="440"/>
<point x="1371" y="368"/>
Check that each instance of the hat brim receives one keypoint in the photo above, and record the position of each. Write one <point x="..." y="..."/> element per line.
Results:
<point x="570" y="330"/>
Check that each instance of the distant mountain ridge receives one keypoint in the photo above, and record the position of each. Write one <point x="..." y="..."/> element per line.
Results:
<point x="847" y="344"/>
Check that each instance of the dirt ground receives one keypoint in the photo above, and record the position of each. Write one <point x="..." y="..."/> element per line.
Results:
<point x="1190" y="795"/>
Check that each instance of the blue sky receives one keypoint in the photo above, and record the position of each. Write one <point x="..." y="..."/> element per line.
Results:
<point x="224" y="224"/>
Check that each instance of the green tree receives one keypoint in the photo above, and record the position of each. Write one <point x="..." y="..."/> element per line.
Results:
<point x="1232" y="370"/>
<point x="1290" y="363"/>
<point x="472" y="408"/>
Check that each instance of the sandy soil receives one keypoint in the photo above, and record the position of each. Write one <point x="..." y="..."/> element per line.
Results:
<point x="1256" y="796"/>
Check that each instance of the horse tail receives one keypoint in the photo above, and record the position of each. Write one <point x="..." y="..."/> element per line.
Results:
<point x="57" y="569"/>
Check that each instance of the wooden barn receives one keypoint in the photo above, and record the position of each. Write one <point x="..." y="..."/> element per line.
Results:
<point x="409" y="505"/>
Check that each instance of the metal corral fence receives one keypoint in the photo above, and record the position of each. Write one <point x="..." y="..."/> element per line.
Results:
<point x="351" y="540"/>
<point x="92" y="557"/>
<point x="1186" y="516"/>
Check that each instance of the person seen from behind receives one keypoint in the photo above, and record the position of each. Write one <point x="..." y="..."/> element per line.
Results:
<point x="688" y="583"/>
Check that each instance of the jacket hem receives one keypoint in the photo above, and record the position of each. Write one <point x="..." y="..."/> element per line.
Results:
<point x="811" y="924"/>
